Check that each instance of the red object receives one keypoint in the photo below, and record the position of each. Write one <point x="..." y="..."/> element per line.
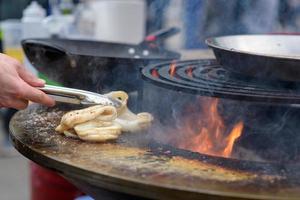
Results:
<point x="150" y="38"/>
<point x="48" y="185"/>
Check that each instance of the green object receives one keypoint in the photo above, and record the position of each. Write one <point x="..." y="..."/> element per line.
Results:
<point x="66" y="11"/>
<point x="48" y="81"/>
<point x="1" y="34"/>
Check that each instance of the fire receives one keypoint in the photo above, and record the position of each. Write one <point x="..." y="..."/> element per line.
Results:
<point x="206" y="132"/>
<point x="154" y="73"/>
<point x="235" y="133"/>
<point x="189" y="72"/>
<point x="173" y="69"/>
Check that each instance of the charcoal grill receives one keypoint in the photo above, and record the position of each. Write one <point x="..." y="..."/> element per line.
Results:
<point x="141" y="165"/>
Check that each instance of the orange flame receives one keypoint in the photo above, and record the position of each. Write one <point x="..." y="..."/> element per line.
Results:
<point x="154" y="73"/>
<point x="172" y="69"/>
<point x="235" y="133"/>
<point x="189" y="72"/>
<point x="206" y="132"/>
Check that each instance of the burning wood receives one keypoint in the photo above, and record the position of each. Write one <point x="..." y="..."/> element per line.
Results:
<point x="205" y="131"/>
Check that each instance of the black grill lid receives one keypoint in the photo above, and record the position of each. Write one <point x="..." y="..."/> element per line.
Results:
<point x="208" y="78"/>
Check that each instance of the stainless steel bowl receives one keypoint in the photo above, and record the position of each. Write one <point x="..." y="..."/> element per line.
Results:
<point x="261" y="56"/>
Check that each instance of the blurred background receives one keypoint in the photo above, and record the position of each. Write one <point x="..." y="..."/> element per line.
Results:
<point x="197" y="19"/>
<point x="124" y="21"/>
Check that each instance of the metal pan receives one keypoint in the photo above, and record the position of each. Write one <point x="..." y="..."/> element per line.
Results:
<point x="97" y="66"/>
<point x="275" y="57"/>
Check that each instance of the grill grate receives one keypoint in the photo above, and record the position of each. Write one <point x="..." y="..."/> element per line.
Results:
<point x="208" y="78"/>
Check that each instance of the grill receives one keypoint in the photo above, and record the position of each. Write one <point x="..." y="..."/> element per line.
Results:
<point x="137" y="165"/>
<point x="208" y="78"/>
<point x="149" y="165"/>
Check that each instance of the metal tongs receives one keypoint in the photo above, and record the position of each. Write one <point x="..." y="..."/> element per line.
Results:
<point x="75" y="96"/>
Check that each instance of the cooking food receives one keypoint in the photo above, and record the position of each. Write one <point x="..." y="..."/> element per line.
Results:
<point x="101" y="123"/>
<point x="129" y="121"/>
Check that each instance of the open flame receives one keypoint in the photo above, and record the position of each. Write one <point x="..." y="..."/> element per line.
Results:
<point x="206" y="132"/>
<point x="189" y="72"/>
<point x="203" y="131"/>
<point x="173" y="69"/>
<point x="154" y="73"/>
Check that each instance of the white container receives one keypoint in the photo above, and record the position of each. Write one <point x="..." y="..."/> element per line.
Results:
<point x="33" y="27"/>
<point x="32" y="22"/>
<point x="12" y="33"/>
<point x="119" y="20"/>
<point x="85" y="21"/>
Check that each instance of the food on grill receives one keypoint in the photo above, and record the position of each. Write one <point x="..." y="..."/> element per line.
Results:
<point x="101" y="123"/>
<point x="98" y="113"/>
<point x="129" y="121"/>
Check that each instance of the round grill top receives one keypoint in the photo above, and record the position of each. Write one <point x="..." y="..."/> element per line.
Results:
<point x="208" y="78"/>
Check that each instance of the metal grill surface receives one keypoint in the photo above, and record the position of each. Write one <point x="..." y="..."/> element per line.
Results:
<point x="136" y="165"/>
<point x="208" y="78"/>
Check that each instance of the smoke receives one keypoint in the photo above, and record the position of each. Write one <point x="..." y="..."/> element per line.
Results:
<point x="270" y="130"/>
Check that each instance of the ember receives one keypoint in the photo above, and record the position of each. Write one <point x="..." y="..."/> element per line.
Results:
<point x="189" y="72"/>
<point x="172" y="69"/>
<point x="154" y="73"/>
<point x="205" y="132"/>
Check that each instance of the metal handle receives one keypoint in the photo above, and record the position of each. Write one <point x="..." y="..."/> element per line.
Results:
<point x="162" y="34"/>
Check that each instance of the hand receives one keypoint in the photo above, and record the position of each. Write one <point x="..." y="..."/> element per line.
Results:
<point x="17" y="85"/>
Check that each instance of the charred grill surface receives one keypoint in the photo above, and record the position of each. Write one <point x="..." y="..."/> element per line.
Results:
<point x="137" y="165"/>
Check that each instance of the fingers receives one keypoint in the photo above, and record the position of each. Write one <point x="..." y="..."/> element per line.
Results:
<point x="19" y="93"/>
<point x="18" y="85"/>
<point x="18" y="104"/>
<point x="36" y="95"/>
<point x="29" y="78"/>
